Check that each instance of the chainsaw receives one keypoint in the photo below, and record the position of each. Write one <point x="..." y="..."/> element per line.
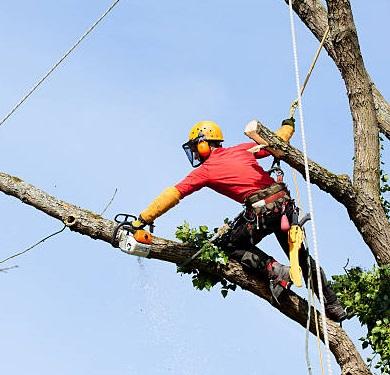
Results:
<point x="129" y="239"/>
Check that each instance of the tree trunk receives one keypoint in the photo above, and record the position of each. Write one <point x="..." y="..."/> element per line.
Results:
<point x="314" y="15"/>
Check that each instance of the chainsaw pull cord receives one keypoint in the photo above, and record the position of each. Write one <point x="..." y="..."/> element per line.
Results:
<point x="309" y="192"/>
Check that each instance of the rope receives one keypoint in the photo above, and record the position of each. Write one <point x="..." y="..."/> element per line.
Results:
<point x="294" y="105"/>
<point x="308" y="75"/>
<point x="317" y="332"/>
<point x="309" y="192"/>
<point x="311" y="303"/>
<point x="55" y="66"/>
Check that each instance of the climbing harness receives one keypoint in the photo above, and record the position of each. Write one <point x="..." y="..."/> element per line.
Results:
<point x="308" y="185"/>
<point x="55" y="66"/>
<point x="129" y="239"/>
<point x="277" y="169"/>
<point x="296" y="233"/>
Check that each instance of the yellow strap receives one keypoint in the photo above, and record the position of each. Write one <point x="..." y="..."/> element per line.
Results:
<point x="295" y="239"/>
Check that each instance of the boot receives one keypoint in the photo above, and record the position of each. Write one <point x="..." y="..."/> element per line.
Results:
<point x="279" y="276"/>
<point x="333" y="308"/>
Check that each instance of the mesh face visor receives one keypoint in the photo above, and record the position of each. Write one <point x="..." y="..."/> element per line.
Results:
<point x="191" y="152"/>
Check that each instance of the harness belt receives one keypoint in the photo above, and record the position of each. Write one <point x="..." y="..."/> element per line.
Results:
<point x="269" y="195"/>
<point x="270" y="199"/>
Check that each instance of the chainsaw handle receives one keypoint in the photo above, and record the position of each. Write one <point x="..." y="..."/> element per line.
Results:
<point x="125" y="218"/>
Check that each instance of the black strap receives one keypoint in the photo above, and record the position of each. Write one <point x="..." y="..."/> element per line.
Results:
<point x="276" y="168"/>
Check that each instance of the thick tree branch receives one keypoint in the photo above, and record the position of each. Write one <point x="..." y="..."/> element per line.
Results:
<point x="89" y="223"/>
<point x="366" y="212"/>
<point x="314" y="15"/>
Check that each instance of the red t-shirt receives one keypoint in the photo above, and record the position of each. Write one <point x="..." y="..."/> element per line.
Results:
<point x="231" y="171"/>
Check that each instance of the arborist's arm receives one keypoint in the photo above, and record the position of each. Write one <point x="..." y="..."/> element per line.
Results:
<point x="167" y="199"/>
<point x="171" y="196"/>
<point x="285" y="132"/>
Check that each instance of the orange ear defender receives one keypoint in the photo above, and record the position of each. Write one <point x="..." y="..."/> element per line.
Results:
<point x="203" y="149"/>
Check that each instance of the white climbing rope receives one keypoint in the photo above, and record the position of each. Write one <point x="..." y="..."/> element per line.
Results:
<point x="309" y="192"/>
<point x="55" y="66"/>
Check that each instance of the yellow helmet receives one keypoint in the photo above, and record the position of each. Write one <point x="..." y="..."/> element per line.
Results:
<point x="197" y="148"/>
<point x="208" y="129"/>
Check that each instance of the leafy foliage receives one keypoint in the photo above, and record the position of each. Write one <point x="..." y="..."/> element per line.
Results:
<point x="366" y="294"/>
<point x="210" y="253"/>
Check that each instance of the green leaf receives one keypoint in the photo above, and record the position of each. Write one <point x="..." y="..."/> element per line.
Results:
<point x="365" y="294"/>
<point x="210" y="253"/>
<point x="203" y="228"/>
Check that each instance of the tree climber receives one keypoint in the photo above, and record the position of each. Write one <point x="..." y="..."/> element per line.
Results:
<point x="235" y="173"/>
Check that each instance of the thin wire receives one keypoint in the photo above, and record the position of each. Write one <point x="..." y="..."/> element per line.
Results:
<point x="55" y="66"/>
<point x="109" y="203"/>
<point x="31" y="247"/>
<point x="309" y="192"/>
<point x="5" y="270"/>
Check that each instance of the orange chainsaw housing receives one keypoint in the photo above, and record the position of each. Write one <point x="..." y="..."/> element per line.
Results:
<point x="143" y="236"/>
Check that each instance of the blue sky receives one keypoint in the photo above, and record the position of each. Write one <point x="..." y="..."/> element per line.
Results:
<point x="115" y="116"/>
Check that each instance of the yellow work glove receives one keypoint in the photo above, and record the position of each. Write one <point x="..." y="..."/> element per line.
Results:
<point x="286" y="131"/>
<point x="166" y="200"/>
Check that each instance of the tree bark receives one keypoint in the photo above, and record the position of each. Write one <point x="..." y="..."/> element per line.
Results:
<point x="93" y="225"/>
<point x="350" y="63"/>
<point x="314" y="15"/>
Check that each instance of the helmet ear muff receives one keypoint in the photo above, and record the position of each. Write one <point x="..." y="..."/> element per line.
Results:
<point x="203" y="149"/>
